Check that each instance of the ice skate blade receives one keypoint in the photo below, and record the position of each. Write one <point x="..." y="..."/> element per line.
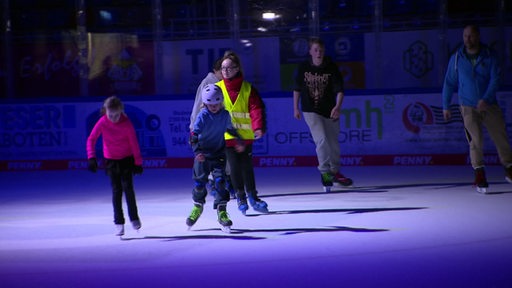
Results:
<point x="509" y="180"/>
<point x="327" y="189"/>
<point x="226" y="229"/>
<point x="343" y="185"/>
<point x="261" y="210"/>
<point x="482" y="190"/>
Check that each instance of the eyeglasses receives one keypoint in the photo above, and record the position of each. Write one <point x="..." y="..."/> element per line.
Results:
<point x="229" y="69"/>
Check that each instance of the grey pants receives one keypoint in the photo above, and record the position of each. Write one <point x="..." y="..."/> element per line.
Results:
<point x="493" y="121"/>
<point x="325" y="133"/>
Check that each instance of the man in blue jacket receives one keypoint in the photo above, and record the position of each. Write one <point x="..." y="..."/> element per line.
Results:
<point x="474" y="71"/>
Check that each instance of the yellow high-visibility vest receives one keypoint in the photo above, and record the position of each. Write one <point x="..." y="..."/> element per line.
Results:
<point x="239" y="111"/>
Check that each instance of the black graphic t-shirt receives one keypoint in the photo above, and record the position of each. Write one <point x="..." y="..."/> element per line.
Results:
<point x="318" y="86"/>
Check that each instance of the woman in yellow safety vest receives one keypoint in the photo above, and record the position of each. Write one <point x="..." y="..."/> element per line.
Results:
<point x="247" y="111"/>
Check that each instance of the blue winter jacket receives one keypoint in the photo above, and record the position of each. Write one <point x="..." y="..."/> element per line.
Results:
<point x="474" y="82"/>
<point x="209" y="128"/>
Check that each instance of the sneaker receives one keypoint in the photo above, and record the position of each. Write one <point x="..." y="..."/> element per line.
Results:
<point x="119" y="229"/>
<point x="508" y="173"/>
<point x="340" y="179"/>
<point x="136" y="224"/>
<point x="194" y="215"/>
<point x="480" y="180"/>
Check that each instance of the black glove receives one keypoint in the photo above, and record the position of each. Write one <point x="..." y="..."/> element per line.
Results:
<point x="93" y="165"/>
<point x="137" y="170"/>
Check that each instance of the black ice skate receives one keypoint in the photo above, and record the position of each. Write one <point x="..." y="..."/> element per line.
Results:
<point x="326" y="181"/>
<point x="194" y="215"/>
<point x="481" y="181"/>
<point x="223" y="219"/>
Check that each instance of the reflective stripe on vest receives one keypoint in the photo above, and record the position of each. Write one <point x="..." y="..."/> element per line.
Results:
<point x="239" y="111"/>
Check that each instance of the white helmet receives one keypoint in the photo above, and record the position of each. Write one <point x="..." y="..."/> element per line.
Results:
<point x="212" y="94"/>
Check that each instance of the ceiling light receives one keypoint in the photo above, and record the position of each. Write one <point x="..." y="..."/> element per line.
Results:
<point x="269" y="16"/>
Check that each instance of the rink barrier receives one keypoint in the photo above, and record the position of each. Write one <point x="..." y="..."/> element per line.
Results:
<point x="260" y="162"/>
<point x="386" y="129"/>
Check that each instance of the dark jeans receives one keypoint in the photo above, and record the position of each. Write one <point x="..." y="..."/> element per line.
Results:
<point x="121" y="179"/>
<point x="242" y="171"/>
<point x="217" y="167"/>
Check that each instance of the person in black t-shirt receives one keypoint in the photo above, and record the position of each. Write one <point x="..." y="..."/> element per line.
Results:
<point x="319" y="90"/>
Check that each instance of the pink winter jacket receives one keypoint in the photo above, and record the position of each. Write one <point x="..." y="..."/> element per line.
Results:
<point x="119" y="139"/>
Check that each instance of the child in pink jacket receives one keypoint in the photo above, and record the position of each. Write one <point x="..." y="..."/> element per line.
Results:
<point x="122" y="158"/>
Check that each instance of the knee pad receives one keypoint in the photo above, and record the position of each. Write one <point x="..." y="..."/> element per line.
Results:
<point x="219" y="182"/>
<point x="199" y="186"/>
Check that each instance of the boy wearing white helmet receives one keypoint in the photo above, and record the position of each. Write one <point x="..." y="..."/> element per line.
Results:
<point x="208" y="144"/>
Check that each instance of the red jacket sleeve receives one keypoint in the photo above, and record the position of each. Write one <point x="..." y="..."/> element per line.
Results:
<point x="257" y="111"/>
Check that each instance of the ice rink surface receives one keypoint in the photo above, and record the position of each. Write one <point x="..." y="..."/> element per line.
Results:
<point x="419" y="226"/>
